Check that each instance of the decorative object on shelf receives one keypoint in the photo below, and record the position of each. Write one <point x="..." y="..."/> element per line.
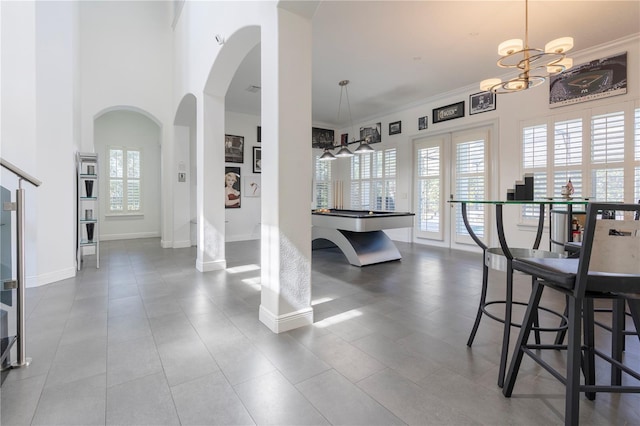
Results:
<point x="88" y="186"/>
<point x="482" y="102"/>
<point x="448" y="112"/>
<point x="259" y="136"/>
<point x="88" y="214"/>
<point x="523" y="189"/>
<point x="422" y="123"/>
<point x="257" y="159"/>
<point x="232" y="187"/>
<point x="597" y="79"/>
<point x="91" y="170"/>
<point x="535" y="65"/>
<point x="567" y="190"/>
<point x="90" y="228"/>
<point x="233" y="149"/>
<point x="321" y="138"/>
<point x="367" y="134"/>
<point x="395" y="128"/>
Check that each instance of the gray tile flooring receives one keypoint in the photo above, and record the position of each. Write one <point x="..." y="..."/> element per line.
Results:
<point x="148" y="340"/>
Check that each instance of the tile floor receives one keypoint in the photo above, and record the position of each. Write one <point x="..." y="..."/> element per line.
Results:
<point x="147" y="340"/>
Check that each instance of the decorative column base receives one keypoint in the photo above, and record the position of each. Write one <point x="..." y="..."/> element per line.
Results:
<point x="286" y="322"/>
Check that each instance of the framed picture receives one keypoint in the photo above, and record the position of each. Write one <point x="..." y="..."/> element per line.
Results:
<point x="344" y="139"/>
<point x="259" y="136"/>
<point x="257" y="159"/>
<point x="252" y="186"/>
<point x="482" y="102"/>
<point x="372" y="133"/>
<point x="395" y="128"/>
<point x="448" y="112"/>
<point x="321" y="138"/>
<point x="232" y="187"/>
<point x="597" y="79"/>
<point x="422" y="123"/>
<point x="233" y="149"/>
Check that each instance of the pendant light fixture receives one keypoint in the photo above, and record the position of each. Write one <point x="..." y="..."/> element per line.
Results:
<point x="535" y="65"/>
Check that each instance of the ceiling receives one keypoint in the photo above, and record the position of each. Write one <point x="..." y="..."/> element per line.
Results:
<point x="398" y="53"/>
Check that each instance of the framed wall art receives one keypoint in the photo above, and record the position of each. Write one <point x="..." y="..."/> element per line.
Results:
<point x="482" y="102"/>
<point x="422" y="123"/>
<point x="395" y="128"/>
<point x="232" y="187"/>
<point x="597" y="79"/>
<point x="257" y="159"/>
<point x="233" y="149"/>
<point x="372" y="133"/>
<point x="321" y="138"/>
<point x="448" y="112"/>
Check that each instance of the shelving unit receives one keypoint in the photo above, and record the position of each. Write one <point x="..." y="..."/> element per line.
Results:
<point x="88" y="232"/>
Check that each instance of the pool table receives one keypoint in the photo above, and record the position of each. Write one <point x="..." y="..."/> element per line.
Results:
<point x="358" y="233"/>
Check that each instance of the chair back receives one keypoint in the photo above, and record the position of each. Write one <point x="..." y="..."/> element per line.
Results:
<point x="611" y="246"/>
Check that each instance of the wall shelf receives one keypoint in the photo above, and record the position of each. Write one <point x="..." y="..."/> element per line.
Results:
<point x="87" y="214"/>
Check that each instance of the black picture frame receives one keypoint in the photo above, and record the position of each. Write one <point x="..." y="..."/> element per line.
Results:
<point x="232" y="188"/>
<point x="233" y="149"/>
<point x="257" y="159"/>
<point x="259" y="135"/>
<point x="448" y="112"/>
<point x="322" y="138"/>
<point x="372" y="133"/>
<point x="344" y="139"/>
<point x="423" y="122"/>
<point x="482" y="102"/>
<point x="597" y="79"/>
<point x="395" y="128"/>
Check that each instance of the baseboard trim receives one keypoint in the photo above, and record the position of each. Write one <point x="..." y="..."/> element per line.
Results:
<point x="51" y="277"/>
<point x="181" y="244"/>
<point x="132" y="236"/>
<point x="286" y="322"/>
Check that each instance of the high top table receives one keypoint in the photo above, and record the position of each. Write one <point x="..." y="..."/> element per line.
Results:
<point x="501" y="257"/>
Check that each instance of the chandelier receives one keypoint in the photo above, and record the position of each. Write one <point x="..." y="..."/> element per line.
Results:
<point x="344" y="151"/>
<point x="534" y="65"/>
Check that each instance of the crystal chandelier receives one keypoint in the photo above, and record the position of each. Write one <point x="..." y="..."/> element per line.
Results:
<point x="535" y="65"/>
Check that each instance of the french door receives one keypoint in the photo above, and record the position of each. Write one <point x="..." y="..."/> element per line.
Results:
<point x="451" y="166"/>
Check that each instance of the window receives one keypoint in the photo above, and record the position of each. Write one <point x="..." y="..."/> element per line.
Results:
<point x="470" y="184"/>
<point x="373" y="180"/>
<point x="323" y="183"/>
<point x="125" y="180"/>
<point x="429" y="184"/>
<point x="588" y="150"/>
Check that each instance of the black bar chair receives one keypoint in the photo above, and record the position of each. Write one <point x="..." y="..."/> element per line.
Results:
<point x="608" y="267"/>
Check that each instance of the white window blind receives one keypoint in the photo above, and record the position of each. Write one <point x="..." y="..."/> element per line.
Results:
<point x="534" y="160"/>
<point x="636" y="138"/>
<point x="373" y="180"/>
<point x="470" y="184"/>
<point x="567" y="157"/>
<point x="323" y="183"/>
<point x="428" y="167"/>
<point x="607" y="149"/>
<point x="125" y="193"/>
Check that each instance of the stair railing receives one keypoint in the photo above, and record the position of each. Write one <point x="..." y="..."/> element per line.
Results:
<point x="20" y="283"/>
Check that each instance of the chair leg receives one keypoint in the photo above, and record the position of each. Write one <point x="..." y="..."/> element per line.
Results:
<point x="536" y="322"/>
<point x="508" y="307"/>
<point x="572" y="391"/>
<point x="483" y="300"/>
<point x="523" y="337"/>
<point x="617" y="338"/>
<point x="589" y="343"/>
<point x="634" y="309"/>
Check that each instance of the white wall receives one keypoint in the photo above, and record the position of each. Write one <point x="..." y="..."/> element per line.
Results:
<point x="131" y="130"/>
<point x="243" y="223"/>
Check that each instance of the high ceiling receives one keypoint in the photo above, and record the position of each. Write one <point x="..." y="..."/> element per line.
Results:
<point x="397" y="53"/>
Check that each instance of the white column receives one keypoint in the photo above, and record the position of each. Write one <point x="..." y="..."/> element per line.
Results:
<point x="286" y="173"/>
<point x="210" y="183"/>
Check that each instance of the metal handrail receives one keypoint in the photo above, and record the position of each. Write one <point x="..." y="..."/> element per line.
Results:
<point x="20" y="173"/>
<point x="18" y="206"/>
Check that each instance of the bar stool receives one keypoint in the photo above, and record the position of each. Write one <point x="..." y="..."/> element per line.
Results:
<point x="608" y="267"/>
